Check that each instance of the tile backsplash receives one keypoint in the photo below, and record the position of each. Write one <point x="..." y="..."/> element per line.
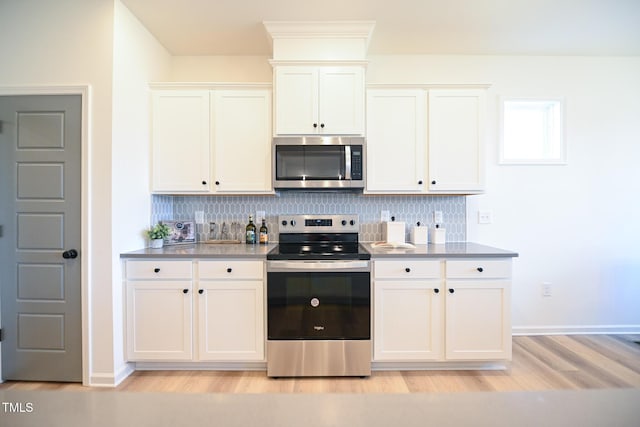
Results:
<point x="409" y="209"/>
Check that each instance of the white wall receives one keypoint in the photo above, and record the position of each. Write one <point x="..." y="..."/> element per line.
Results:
<point x="246" y="69"/>
<point x="70" y="42"/>
<point x="575" y="226"/>
<point x="138" y="59"/>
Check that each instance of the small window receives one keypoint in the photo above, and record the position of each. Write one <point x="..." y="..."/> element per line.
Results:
<point x="532" y="131"/>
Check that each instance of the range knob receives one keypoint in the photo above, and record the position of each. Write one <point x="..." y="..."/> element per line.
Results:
<point x="292" y="222"/>
<point x="344" y="222"/>
<point x="352" y="222"/>
<point x="284" y="223"/>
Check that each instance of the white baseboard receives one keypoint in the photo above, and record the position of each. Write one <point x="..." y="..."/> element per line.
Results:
<point x="109" y="379"/>
<point x="576" y="330"/>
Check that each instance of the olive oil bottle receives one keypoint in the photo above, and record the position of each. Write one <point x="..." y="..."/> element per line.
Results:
<point x="250" y="232"/>
<point x="264" y="233"/>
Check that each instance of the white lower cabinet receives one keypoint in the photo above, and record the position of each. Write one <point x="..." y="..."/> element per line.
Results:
<point x="444" y="310"/>
<point x="231" y="310"/>
<point x="478" y="310"/>
<point x="408" y="320"/>
<point x="159" y="310"/>
<point x="176" y="307"/>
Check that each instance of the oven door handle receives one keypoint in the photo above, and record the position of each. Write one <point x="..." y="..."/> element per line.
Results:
<point x="335" y="265"/>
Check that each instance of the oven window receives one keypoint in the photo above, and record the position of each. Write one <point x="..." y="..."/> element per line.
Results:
<point x="310" y="163"/>
<point x="318" y="305"/>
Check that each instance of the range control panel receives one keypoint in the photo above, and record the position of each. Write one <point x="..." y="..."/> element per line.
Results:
<point x="318" y="223"/>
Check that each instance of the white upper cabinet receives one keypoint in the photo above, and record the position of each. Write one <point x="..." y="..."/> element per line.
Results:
<point x="425" y="140"/>
<point x="396" y="125"/>
<point x="180" y="141"/>
<point x="240" y="141"/>
<point x="212" y="141"/>
<point x="319" y="100"/>
<point x="456" y="140"/>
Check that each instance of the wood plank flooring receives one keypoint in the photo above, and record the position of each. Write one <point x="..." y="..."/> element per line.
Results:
<point x="556" y="362"/>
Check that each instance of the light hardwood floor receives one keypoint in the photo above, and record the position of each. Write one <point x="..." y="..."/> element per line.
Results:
<point x="556" y="362"/>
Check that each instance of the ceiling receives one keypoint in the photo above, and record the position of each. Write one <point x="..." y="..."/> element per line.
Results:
<point x="483" y="27"/>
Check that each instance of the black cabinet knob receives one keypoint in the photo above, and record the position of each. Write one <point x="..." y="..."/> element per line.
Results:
<point x="156" y="270"/>
<point x="204" y="182"/>
<point x="200" y="291"/>
<point x="433" y="182"/>
<point x="70" y="254"/>
<point x="436" y="291"/>
<point x="185" y="291"/>
<point x="315" y="125"/>
<point x="420" y="182"/>
<point x="480" y="269"/>
<point x="451" y="291"/>
<point x="229" y="270"/>
<point x="217" y="182"/>
<point x="408" y="270"/>
<point x="322" y="125"/>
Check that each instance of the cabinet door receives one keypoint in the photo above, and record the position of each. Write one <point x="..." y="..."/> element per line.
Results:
<point x="296" y="100"/>
<point x="180" y="141"/>
<point x="478" y="320"/>
<point x="407" y="320"/>
<point x="396" y="140"/>
<point x="159" y="320"/>
<point x="231" y="320"/>
<point x="456" y="138"/>
<point x="341" y="97"/>
<point x="241" y="140"/>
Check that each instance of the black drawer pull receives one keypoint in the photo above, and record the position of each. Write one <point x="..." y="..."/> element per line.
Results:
<point x="185" y="291"/>
<point x="200" y="291"/>
<point x="436" y="290"/>
<point x="229" y="270"/>
<point x="156" y="270"/>
<point x="408" y="270"/>
<point x="480" y="269"/>
<point x="451" y="291"/>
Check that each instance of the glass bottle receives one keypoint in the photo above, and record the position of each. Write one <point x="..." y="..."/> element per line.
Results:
<point x="250" y="232"/>
<point x="264" y="233"/>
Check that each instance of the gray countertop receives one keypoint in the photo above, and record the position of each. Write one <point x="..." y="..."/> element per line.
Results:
<point x="203" y="250"/>
<point x="449" y="250"/>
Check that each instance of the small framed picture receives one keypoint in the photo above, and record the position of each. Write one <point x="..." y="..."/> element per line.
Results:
<point x="182" y="232"/>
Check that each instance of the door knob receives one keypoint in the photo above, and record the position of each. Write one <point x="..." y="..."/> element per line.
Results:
<point x="70" y="254"/>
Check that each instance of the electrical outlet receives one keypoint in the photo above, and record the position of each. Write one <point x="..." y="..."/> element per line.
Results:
<point x="199" y="217"/>
<point x="385" y="216"/>
<point x="437" y="217"/>
<point x="485" y="217"/>
<point x="546" y="289"/>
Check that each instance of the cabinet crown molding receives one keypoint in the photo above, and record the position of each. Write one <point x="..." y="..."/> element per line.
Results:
<point x="319" y="40"/>
<point x="209" y="85"/>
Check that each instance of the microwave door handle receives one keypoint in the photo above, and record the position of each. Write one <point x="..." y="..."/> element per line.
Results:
<point x="347" y="162"/>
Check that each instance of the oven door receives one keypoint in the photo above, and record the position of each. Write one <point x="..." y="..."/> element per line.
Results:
<point x="321" y="300"/>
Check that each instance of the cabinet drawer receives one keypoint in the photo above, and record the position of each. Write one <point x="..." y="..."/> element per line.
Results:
<point x="230" y="269"/>
<point x="151" y="269"/>
<point x="478" y="268"/>
<point x="406" y="269"/>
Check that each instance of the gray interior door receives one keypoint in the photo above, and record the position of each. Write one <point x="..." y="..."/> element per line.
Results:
<point x="40" y="214"/>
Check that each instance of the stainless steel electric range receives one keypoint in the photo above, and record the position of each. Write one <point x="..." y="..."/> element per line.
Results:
<point x="318" y="298"/>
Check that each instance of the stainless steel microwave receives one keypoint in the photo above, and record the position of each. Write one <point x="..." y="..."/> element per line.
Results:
<point x="318" y="162"/>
